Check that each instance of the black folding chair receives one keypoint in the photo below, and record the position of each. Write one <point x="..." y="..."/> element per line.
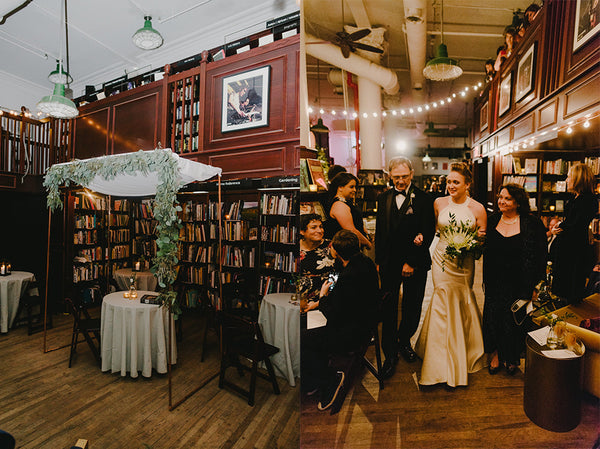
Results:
<point x="243" y="338"/>
<point x="84" y="296"/>
<point x="33" y="305"/>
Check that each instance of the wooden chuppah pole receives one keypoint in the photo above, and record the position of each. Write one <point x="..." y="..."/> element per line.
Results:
<point x="212" y="376"/>
<point x="66" y="345"/>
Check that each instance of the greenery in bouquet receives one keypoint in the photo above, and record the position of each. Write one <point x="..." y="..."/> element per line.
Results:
<point x="302" y="283"/>
<point x="462" y="239"/>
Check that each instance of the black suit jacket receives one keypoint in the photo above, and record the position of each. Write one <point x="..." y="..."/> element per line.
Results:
<point x="417" y="218"/>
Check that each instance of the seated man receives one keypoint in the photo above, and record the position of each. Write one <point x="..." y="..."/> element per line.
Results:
<point x="349" y="306"/>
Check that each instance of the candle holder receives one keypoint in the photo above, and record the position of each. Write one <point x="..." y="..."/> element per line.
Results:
<point x="131" y="293"/>
<point x="5" y="269"/>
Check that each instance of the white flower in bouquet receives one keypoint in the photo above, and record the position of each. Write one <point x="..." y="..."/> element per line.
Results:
<point x="462" y="240"/>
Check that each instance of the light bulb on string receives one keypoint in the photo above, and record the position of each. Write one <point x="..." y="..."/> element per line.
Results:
<point x="569" y="130"/>
<point x="586" y="124"/>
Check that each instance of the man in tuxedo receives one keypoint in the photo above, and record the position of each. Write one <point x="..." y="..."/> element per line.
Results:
<point x="404" y="230"/>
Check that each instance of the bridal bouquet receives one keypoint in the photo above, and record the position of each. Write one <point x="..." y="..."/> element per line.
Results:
<point x="463" y="240"/>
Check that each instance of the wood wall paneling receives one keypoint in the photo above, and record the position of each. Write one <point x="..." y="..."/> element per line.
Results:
<point x="582" y="97"/>
<point x="548" y="114"/>
<point x="248" y="164"/>
<point x="8" y="181"/>
<point x="283" y="97"/>
<point x="524" y="127"/>
<point x="586" y="57"/>
<point x="135" y="124"/>
<point x="503" y="138"/>
<point x="91" y="134"/>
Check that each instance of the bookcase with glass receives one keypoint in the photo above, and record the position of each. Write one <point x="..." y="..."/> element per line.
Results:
<point x="184" y="113"/>
<point x="143" y="243"/>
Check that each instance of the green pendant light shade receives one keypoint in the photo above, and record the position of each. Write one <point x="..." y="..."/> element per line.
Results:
<point x="60" y="75"/>
<point x="442" y="68"/>
<point x="147" y="38"/>
<point x="57" y="105"/>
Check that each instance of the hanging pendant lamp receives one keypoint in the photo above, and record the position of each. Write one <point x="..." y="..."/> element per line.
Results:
<point x="57" y="105"/>
<point x="442" y="68"/>
<point x="147" y="38"/>
<point x="60" y="76"/>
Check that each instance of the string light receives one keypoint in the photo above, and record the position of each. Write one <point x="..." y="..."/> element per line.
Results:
<point x="586" y="124"/>
<point x="569" y="130"/>
<point x="412" y="110"/>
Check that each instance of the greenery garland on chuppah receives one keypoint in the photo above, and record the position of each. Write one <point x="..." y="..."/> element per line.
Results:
<point x="165" y="206"/>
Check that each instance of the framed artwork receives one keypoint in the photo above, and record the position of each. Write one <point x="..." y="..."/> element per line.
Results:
<point x="504" y="94"/>
<point x="587" y="21"/>
<point x="525" y="73"/>
<point x="483" y="116"/>
<point x="246" y="100"/>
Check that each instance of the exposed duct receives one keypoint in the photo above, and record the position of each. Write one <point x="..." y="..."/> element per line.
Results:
<point x="358" y="65"/>
<point x="415" y="27"/>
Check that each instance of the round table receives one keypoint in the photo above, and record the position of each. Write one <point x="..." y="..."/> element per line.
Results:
<point x="552" y="390"/>
<point x="11" y="289"/>
<point x="280" y="324"/>
<point x="134" y="336"/>
<point x="144" y="280"/>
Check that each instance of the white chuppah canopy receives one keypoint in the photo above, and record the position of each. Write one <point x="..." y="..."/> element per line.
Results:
<point x="144" y="184"/>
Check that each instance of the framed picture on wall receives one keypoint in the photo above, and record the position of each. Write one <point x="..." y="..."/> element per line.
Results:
<point x="504" y="94"/>
<point x="525" y="73"/>
<point x="483" y="116"/>
<point x="587" y="21"/>
<point x="246" y="100"/>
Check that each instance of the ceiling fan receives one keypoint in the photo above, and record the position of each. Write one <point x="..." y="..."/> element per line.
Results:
<point x="348" y="42"/>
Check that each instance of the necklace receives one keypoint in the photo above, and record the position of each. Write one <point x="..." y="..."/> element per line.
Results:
<point x="509" y="222"/>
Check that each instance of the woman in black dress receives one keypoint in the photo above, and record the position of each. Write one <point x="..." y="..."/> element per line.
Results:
<point x="315" y="260"/>
<point x="571" y="252"/>
<point x="342" y="213"/>
<point x="514" y="262"/>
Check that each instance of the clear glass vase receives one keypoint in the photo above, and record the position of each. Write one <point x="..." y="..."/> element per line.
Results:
<point x="132" y="290"/>
<point x="552" y="339"/>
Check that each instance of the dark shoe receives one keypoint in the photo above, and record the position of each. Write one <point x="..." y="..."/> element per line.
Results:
<point x="408" y="354"/>
<point x="332" y="392"/>
<point x="511" y="369"/>
<point x="389" y="368"/>
<point x="494" y="370"/>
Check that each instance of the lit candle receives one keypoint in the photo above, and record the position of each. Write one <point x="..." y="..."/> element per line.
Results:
<point x="552" y="208"/>
<point x="2" y="269"/>
<point x="8" y="269"/>
<point x="312" y="187"/>
<point x="137" y="266"/>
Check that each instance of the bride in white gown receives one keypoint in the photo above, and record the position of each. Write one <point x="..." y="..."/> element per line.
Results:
<point x="451" y="342"/>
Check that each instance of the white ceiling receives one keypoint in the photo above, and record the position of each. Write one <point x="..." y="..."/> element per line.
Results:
<point x="473" y="30"/>
<point x="100" y="46"/>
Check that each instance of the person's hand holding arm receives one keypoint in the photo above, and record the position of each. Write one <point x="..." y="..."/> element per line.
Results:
<point x="341" y="212"/>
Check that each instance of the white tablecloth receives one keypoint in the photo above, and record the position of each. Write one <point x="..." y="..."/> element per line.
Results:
<point x="280" y="325"/>
<point x="135" y="336"/>
<point x="144" y="280"/>
<point x="11" y="288"/>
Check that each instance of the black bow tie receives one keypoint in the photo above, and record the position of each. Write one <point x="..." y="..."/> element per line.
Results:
<point x="400" y="192"/>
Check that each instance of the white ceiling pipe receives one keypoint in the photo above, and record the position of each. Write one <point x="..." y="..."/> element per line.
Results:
<point x="415" y="20"/>
<point x="362" y="67"/>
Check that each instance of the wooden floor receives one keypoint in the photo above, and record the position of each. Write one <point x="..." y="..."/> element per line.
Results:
<point x="45" y="404"/>
<point x="486" y="414"/>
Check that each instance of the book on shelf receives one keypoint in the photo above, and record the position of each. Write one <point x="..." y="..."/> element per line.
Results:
<point x="561" y="186"/>
<point x="530" y="166"/>
<point x="559" y="205"/>
<point x="317" y="174"/>
<point x="517" y="165"/>
<point x="530" y="184"/>
<point x="532" y="204"/>
<point x="304" y="176"/>
<point x="312" y="207"/>
<point x="249" y="211"/>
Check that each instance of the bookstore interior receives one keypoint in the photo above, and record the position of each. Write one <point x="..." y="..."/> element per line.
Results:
<point x="153" y="216"/>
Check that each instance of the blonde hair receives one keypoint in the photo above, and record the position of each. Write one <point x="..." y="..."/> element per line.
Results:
<point x="582" y="177"/>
